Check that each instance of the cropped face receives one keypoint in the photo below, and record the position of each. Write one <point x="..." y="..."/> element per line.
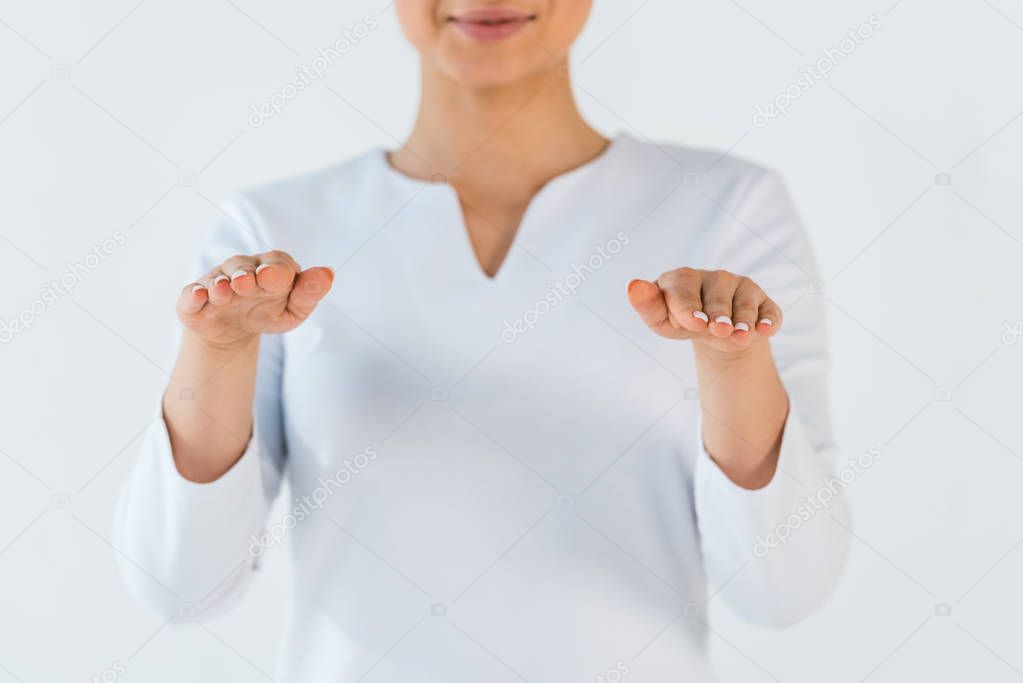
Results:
<point x="482" y="43"/>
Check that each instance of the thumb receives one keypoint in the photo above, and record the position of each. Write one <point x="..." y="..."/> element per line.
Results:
<point x="311" y="285"/>
<point x="648" y="300"/>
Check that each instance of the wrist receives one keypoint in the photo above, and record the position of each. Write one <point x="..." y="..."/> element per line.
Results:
<point x="712" y="359"/>
<point x="744" y="406"/>
<point x="218" y="351"/>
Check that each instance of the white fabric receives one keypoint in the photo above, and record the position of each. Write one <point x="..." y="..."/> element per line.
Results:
<point x="531" y="504"/>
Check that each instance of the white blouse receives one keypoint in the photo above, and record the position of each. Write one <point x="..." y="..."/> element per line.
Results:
<point x="503" y="479"/>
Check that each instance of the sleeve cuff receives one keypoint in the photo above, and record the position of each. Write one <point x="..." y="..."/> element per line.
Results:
<point x="242" y="482"/>
<point x="711" y="483"/>
<point x="710" y="477"/>
<point x="757" y="543"/>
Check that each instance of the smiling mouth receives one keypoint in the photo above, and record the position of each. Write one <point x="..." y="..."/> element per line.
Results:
<point x="491" y="24"/>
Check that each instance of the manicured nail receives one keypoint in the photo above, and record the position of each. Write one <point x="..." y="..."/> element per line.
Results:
<point x="260" y="267"/>
<point x="237" y="274"/>
<point x="198" y="288"/>
<point x="723" y="319"/>
<point x="700" y="315"/>
<point x="220" y="278"/>
<point x="766" y="321"/>
<point x="742" y="326"/>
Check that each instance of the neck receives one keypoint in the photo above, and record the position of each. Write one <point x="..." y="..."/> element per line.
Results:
<point x="510" y="139"/>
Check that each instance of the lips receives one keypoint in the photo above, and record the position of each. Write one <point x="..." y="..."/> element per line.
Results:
<point x="492" y="23"/>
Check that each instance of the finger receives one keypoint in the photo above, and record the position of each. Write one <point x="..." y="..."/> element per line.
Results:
<point x="769" y="318"/>
<point x="718" y="291"/>
<point x="242" y="271"/>
<point x="745" y="308"/>
<point x="682" y="294"/>
<point x="192" y="299"/>
<point x="219" y="289"/>
<point x="311" y="286"/>
<point x="276" y="272"/>
<point x="648" y="300"/>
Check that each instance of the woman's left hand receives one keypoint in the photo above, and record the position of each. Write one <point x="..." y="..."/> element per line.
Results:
<point x="718" y="310"/>
<point x="728" y="317"/>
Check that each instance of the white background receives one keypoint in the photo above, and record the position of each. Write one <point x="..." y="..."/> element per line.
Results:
<point x="922" y="279"/>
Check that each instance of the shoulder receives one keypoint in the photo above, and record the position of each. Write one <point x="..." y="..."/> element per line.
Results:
<point x="312" y="189"/>
<point x="733" y="213"/>
<point x="727" y="178"/>
<point x="307" y="215"/>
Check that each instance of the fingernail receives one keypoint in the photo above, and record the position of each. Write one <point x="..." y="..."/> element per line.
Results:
<point x="700" y="315"/>
<point x="742" y="326"/>
<point x="766" y="321"/>
<point x="197" y="288"/>
<point x="723" y="319"/>
<point x="220" y="278"/>
<point x="261" y="266"/>
<point x="237" y="274"/>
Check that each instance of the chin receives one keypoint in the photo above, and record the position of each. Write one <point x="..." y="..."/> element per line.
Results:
<point x="487" y="68"/>
<point x="483" y="77"/>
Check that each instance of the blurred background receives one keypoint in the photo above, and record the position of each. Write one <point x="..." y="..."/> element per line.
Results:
<point x="123" y="123"/>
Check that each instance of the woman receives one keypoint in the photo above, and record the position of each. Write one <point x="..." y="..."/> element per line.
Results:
<point x="498" y="473"/>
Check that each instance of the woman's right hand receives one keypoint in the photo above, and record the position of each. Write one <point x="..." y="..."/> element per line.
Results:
<point x="246" y="296"/>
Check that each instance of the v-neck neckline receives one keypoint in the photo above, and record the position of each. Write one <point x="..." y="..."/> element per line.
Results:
<point x="573" y="175"/>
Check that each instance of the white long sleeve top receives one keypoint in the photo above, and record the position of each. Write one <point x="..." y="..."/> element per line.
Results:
<point x="503" y="479"/>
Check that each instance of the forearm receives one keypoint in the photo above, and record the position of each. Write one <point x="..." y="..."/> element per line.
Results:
<point x="208" y="406"/>
<point x="744" y="406"/>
